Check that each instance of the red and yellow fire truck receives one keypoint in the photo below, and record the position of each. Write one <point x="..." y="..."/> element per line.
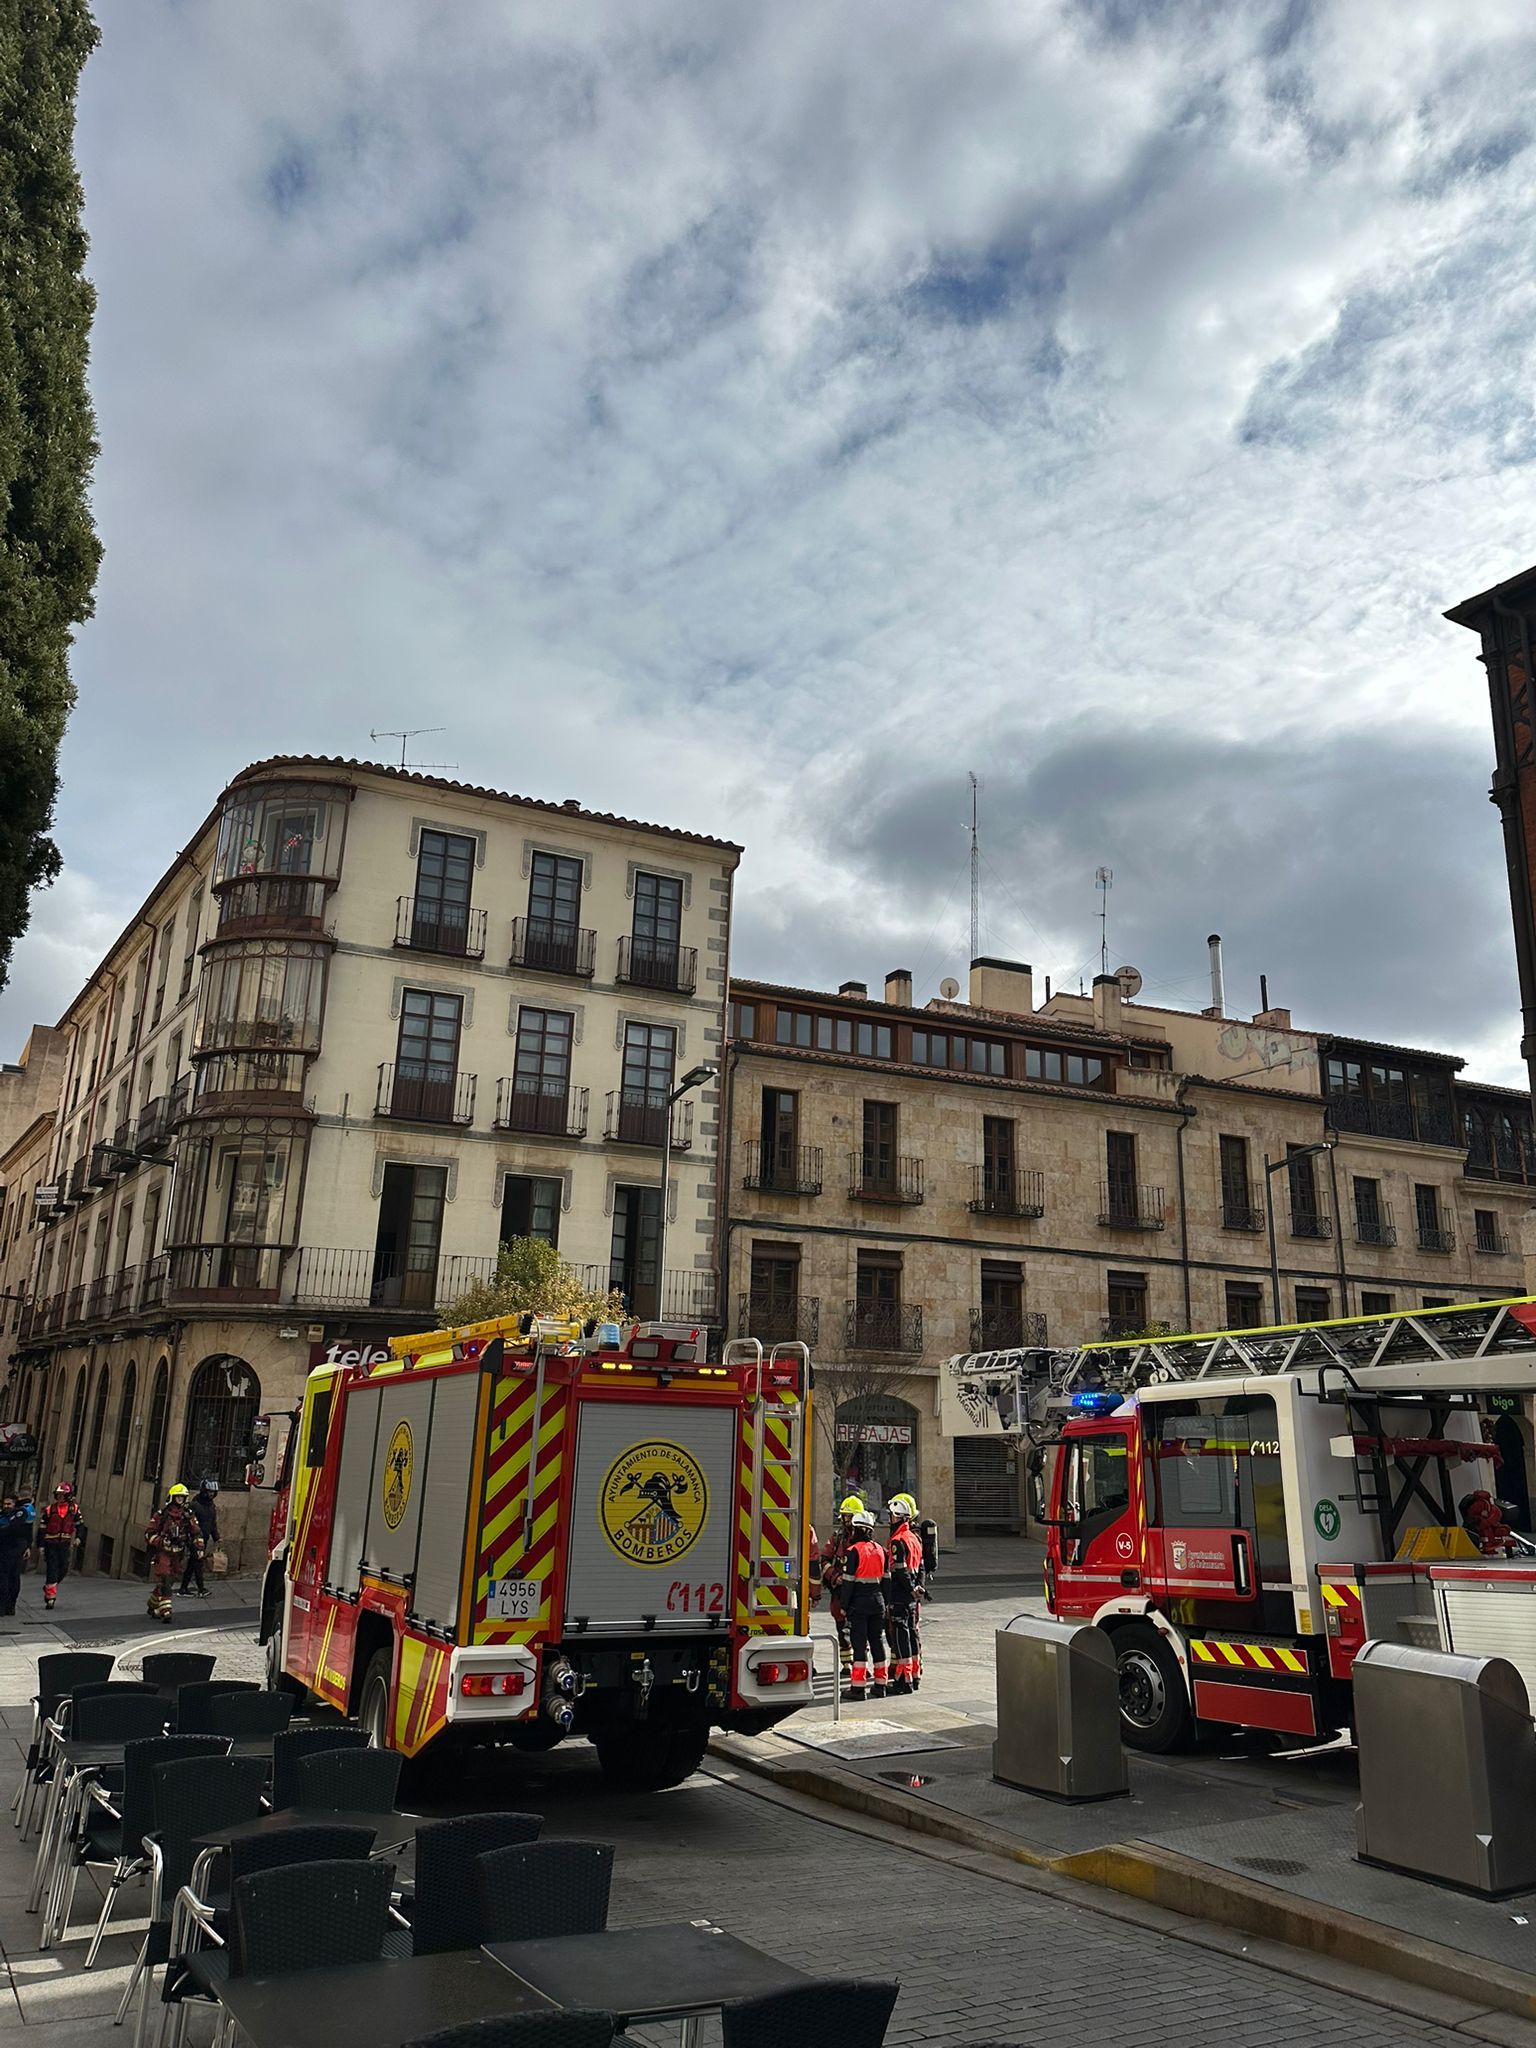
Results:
<point x="1242" y="1509"/>
<point x="521" y="1531"/>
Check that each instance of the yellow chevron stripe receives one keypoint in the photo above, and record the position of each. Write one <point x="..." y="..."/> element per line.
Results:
<point x="1339" y="1596"/>
<point x="1204" y="1652"/>
<point x="1260" y="1657"/>
<point x="1231" y="1652"/>
<point x="1291" y="1661"/>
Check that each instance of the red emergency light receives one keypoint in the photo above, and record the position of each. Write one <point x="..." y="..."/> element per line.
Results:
<point x="499" y="1685"/>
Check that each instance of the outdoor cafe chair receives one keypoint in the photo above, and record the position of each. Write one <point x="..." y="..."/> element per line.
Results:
<point x="350" y="1780"/>
<point x="168" y="1670"/>
<point x="113" y="1824"/>
<point x="192" y="1702"/>
<point x="291" y="1747"/>
<point x="445" y="1910"/>
<point x="849" y="2012"/>
<point x="57" y="1675"/>
<point x="245" y="1715"/>
<point x="105" y="1715"/>
<point x="537" y="1889"/>
<point x="310" y="1916"/>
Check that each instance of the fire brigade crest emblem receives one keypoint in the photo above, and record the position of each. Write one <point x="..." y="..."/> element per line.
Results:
<point x="395" y="1486"/>
<point x="654" y="1503"/>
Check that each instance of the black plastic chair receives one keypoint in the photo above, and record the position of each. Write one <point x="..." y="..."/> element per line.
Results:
<point x="192" y="1702"/>
<point x="290" y="1749"/>
<point x="850" y="2012"/>
<point x="117" y="1717"/>
<point x="115" y="1826"/>
<point x="310" y="1916"/>
<point x="191" y="1798"/>
<point x="355" y="1780"/>
<point x="245" y="1715"/>
<point x="168" y="1670"/>
<point x="544" y="1888"/>
<point x="57" y="1676"/>
<point x="569" y="2029"/>
<point x="111" y="1688"/>
<point x="445" y="1911"/>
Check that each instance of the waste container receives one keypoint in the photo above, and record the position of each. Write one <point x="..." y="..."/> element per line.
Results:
<point x="1058" y="1710"/>
<point x="1447" y="1767"/>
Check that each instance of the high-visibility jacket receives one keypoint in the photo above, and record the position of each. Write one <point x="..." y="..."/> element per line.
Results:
<point x="864" y="1563"/>
<point x="61" y="1522"/>
<point x="906" y="1562"/>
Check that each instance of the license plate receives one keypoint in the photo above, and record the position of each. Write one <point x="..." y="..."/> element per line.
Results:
<point x="517" y="1599"/>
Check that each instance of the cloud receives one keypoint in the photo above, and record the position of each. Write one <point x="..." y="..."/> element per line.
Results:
<point x="759" y="416"/>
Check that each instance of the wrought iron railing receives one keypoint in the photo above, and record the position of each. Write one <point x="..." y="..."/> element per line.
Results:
<point x="546" y="1109"/>
<point x="1375" y="1226"/>
<point x="773" y="1320"/>
<point x="425" y="1092"/>
<point x="156" y="1278"/>
<point x="782" y="1169"/>
<point x="1001" y="1190"/>
<point x="1435" y="1237"/>
<point x="873" y="1179"/>
<point x="425" y="925"/>
<point x="271" y="903"/>
<point x="658" y="963"/>
<point x="326" y="1276"/>
<point x="179" y="1101"/>
<point x="1242" y="1205"/>
<point x="1393" y="1120"/>
<point x="225" y="1268"/>
<point x="1128" y="1205"/>
<point x="1310" y="1219"/>
<point x="124" y="1293"/>
<point x="1006" y="1329"/>
<point x="638" y="1116"/>
<point x="883" y="1326"/>
<point x="547" y="947"/>
<point x="1492" y="1241"/>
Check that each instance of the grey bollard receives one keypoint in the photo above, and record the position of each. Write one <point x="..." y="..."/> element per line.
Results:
<point x="1447" y="1768"/>
<point x="1058" y="1710"/>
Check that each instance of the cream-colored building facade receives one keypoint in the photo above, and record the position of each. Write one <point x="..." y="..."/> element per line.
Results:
<point x="905" y="1183"/>
<point x="368" y="1025"/>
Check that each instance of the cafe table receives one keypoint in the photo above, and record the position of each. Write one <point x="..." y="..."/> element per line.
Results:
<point x="676" y="1971"/>
<point x="381" y="2004"/>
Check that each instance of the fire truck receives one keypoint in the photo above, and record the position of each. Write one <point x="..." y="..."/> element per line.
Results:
<point x="1241" y="1510"/>
<point x="525" y="1530"/>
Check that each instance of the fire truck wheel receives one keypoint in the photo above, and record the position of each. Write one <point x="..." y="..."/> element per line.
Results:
<point x="373" y="1700"/>
<point x="650" y="1759"/>
<point x="1154" y="1707"/>
<point x="277" y="1679"/>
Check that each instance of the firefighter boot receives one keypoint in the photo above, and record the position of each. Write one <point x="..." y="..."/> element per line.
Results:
<point x="858" y="1682"/>
<point x="50" y="1595"/>
<point x="879" y="1689"/>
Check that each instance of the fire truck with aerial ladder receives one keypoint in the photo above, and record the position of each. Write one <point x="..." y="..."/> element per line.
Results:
<point x="526" y="1529"/>
<point x="1241" y="1510"/>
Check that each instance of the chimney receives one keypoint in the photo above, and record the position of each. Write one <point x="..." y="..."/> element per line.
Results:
<point x="1107" y="993"/>
<point x="1004" y="985"/>
<point x="1274" y="1020"/>
<point x="859" y="990"/>
<point x="898" y="988"/>
<point x="1218" y="997"/>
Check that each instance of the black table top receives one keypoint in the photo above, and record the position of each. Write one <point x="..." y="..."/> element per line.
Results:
<point x="383" y="2004"/>
<point x="645" y="1973"/>
<point x="82" y="1756"/>
<point x="390" y="1830"/>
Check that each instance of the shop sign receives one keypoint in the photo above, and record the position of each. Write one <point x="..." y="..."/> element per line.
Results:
<point x="874" y="1432"/>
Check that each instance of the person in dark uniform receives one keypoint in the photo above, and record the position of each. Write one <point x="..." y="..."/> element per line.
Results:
<point x="63" y="1533"/>
<point x="903" y="1591"/>
<point x="863" y="1567"/>
<point x="16" y="1534"/>
<point x="205" y="1513"/>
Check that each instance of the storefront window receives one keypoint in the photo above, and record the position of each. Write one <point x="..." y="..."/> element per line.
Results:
<point x="876" y="1448"/>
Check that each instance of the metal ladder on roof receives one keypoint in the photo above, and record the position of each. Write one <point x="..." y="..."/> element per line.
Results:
<point x="773" y="1589"/>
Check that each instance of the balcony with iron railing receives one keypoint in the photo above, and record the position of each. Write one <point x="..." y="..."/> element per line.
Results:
<point x="1127" y="1205"/>
<point x="79" y="1185"/>
<point x="424" y="925"/>
<point x="28" y="1317"/>
<point x="424" y="1092"/>
<point x="541" y="1109"/>
<point x="776" y="1169"/>
<point x="773" y="1320"/>
<point x="1006" y="1329"/>
<point x="328" y="1277"/>
<point x="1125" y="1326"/>
<point x="1001" y="1190"/>
<point x="1435" y="1237"/>
<point x="227" y="1272"/>
<point x="1310" y="1220"/>
<point x="1494" y="1241"/>
<point x="543" y="946"/>
<point x="659" y="963"/>
<point x="179" y="1102"/>
<point x="638" y="1116"/>
<point x="872" y="1178"/>
<point x="152" y="1289"/>
<point x="124" y="1292"/>
<point x="883" y="1326"/>
<point x="102" y="1163"/>
<point x="1242" y="1205"/>
<point x="1404" y="1120"/>
<point x="125" y="1143"/>
<point x="272" y="904"/>
<point x="1375" y="1227"/>
<point x="1500" y="1155"/>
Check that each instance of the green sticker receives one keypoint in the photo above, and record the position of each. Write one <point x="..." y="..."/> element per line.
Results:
<point x="1325" y="1517"/>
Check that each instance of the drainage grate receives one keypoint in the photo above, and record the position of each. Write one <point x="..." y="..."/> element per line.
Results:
<point x="1270" y="1866"/>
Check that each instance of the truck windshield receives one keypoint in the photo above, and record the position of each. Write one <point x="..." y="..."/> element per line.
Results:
<point x="1098" y="1478"/>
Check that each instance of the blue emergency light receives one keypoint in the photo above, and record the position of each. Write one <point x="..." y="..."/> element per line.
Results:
<point x="1097" y="1403"/>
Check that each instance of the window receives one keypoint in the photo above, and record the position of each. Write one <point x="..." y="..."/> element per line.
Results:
<point x="427" y="1062"/>
<point x="1245" y="1305"/>
<point x="953" y="1049"/>
<point x="445" y="867"/>
<point x="530" y="1207"/>
<point x="262" y="996"/>
<point x="319" y="1429"/>
<point x="1375" y="1304"/>
<point x="1078" y="1070"/>
<point x="1485" y="1224"/>
<point x="541" y="1075"/>
<point x="554" y="894"/>
<point x="877" y="1299"/>
<point x="1370" y="1222"/>
<point x="877" y="1158"/>
<point x="1216" y="1464"/>
<point x="743" y="1020"/>
<point x="780" y="1160"/>
<point x="189" y="955"/>
<point x="1438" y="1301"/>
<point x="409" y="1236"/>
<point x="658" y="930"/>
<point x="76" y="1422"/>
<point x="154" y="1434"/>
<point x="1306" y="1214"/>
<point x="162" y="969"/>
<point x="1002" y="1305"/>
<point x="1127" y="1304"/>
<point x="1313" y="1305"/>
<point x="650" y="1052"/>
<point x="1238" y="1208"/>
<point x="998" y="1178"/>
<point x="1120" y="1161"/>
<point x="125" y="1402"/>
<point x="773" y="1302"/>
<point x="634" y="1247"/>
<point x="833" y="1034"/>
<point x="221" y="1406"/>
<point x="1433" y="1235"/>
<point x="1098" y="1481"/>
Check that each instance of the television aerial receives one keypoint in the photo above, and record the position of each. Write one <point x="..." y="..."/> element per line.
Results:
<point x="1129" y="979"/>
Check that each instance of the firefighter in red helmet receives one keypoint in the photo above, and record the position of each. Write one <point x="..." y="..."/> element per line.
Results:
<point x="61" y="1534"/>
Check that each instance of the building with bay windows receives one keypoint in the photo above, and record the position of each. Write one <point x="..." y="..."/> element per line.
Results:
<point x="368" y="1025"/>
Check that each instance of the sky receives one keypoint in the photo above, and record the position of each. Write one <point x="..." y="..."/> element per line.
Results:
<point x="757" y="418"/>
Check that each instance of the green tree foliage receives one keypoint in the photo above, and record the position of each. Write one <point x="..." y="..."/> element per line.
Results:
<point x="48" y="547"/>
<point x="531" y="1274"/>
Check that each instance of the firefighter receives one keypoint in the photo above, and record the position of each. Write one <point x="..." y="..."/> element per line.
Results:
<point x="829" y="1574"/>
<point x="903" y="1592"/>
<point x="171" y="1538"/>
<point x="62" y="1534"/>
<point x="863" y="1567"/>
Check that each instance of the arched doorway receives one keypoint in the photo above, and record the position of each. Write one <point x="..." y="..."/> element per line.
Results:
<point x="221" y="1406"/>
<point x="876" y="1448"/>
<point x="1512" y="1483"/>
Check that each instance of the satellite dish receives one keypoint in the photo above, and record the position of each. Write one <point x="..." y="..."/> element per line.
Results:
<point x="1129" y="979"/>
<point x="949" y="988"/>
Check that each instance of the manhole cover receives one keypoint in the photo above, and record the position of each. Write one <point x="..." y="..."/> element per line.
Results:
<point x="914" y="1781"/>
<point x="1270" y="1866"/>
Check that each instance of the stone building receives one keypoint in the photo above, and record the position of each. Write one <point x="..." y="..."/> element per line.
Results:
<point x="368" y="1025"/>
<point x="907" y="1182"/>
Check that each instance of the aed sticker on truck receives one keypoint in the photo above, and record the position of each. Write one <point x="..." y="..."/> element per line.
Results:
<point x="654" y="1503"/>
<point x="515" y="1599"/>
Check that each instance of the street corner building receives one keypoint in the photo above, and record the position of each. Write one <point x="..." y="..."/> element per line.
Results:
<point x="369" y="1025"/>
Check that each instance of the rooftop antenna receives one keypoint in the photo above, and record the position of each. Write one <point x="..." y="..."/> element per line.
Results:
<point x="1104" y="882"/>
<point x="975" y="875"/>
<point x="405" y="738"/>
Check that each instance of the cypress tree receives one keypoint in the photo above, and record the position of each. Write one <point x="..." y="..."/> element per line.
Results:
<point x="48" y="547"/>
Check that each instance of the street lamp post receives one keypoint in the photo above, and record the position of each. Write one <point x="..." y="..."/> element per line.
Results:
<point x="1282" y="1165"/>
<point x="694" y="1078"/>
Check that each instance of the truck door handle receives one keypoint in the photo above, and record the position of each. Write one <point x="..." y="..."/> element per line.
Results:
<point x="1241" y="1576"/>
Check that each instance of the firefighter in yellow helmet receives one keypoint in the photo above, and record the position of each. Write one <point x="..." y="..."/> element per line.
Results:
<point x="828" y="1573"/>
<point x="172" y="1537"/>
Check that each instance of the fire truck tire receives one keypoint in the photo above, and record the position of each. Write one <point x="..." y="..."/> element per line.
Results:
<point x="373" y="1698"/>
<point x="650" y="1759"/>
<point x="1154" y="1705"/>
